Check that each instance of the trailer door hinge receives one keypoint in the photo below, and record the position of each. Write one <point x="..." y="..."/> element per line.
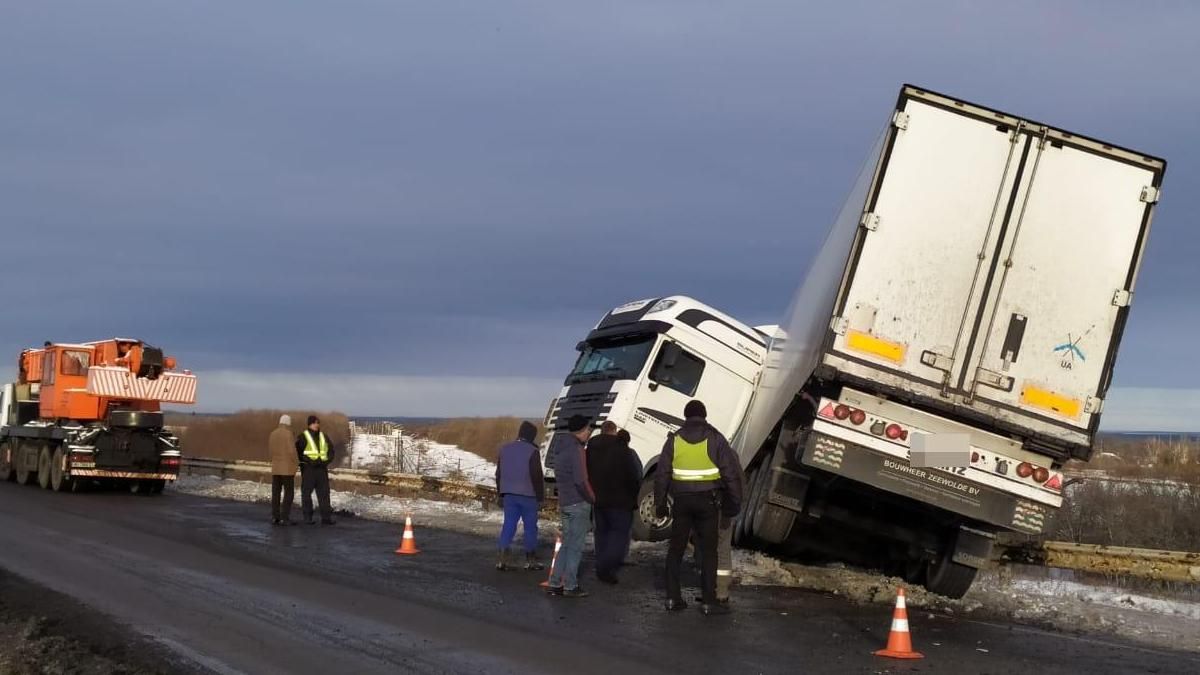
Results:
<point x="1093" y="405"/>
<point x="1149" y="194"/>
<point x="1122" y="298"/>
<point x="870" y="221"/>
<point x="993" y="379"/>
<point x="838" y="325"/>
<point x="900" y="120"/>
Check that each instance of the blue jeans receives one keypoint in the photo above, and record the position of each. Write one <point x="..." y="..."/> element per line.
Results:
<point x="525" y="509"/>
<point x="576" y="519"/>
<point x="612" y="539"/>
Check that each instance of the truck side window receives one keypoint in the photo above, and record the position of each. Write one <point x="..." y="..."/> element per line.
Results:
<point x="48" y="368"/>
<point x="677" y="369"/>
<point x="76" y="363"/>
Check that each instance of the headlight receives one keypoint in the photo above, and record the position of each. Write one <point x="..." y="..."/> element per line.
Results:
<point x="661" y="306"/>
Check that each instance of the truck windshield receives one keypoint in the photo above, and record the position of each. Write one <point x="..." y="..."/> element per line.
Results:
<point x="612" y="359"/>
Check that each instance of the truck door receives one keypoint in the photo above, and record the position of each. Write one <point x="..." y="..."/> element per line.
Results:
<point x="930" y="227"/>
<point x="1065" y="277"/>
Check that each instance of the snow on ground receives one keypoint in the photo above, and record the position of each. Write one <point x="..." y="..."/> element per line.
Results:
<point x="998" y="595"/>
<point x="396" y="451"/>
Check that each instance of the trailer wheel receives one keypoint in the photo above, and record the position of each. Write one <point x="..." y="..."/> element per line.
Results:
<point x="948" y="578"/>
<point x="646" y="525"/>
<point x="59" y="482"/>
<point x="44" y="463"/>
<point x="6" y="462"/>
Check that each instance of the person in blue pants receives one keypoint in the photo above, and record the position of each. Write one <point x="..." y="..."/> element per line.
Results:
<point x="520" y="484"/>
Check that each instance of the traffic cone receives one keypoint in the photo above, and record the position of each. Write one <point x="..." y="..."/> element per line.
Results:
<point x="899" y="644"/>
<point x="553" y="561"/>
<point x="408" y="544"/>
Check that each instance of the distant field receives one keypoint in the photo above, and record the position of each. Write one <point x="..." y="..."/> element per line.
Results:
<point x="243" y="435"/>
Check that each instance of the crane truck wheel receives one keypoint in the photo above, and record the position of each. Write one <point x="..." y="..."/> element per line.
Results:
<point x="7" y="472"/>
<point x="43" y="472"/>
<point x="646" y="525"/>
<point x="59" y="482"/>
<point x="136" y="419"/>
<point x="21" y="464"/>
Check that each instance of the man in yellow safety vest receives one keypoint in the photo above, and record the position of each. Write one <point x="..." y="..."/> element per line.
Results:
<point x="315" y="453"/>
<point x="701" y="473"/>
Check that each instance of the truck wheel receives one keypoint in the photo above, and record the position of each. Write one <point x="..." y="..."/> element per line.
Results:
<point x="136" y="419"/>
<point x="157" y="486"/>
<point x="7" y="472"/>
<point x="948" y="578"/>
<point x="140" y="487"/>
<point x="59" y="482"/>
<point x="771" y="524"/>
<point x="646" y="525"/>
<point x="745" y="525"/>
<point x="21" y="465"/>
<point x="43" y="472"/>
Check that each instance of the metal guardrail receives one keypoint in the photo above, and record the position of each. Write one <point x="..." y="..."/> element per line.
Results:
<point x="1135" y="562"/>
<point x="1120" y="560"/>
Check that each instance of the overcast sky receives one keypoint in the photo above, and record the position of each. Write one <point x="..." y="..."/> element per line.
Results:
<point x="417" y="208"/>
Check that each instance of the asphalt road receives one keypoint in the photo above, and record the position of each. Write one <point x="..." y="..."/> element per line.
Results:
<point x="214" y="582"/>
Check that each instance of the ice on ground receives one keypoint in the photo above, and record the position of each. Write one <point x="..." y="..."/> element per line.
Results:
<point x="397" y="451"/>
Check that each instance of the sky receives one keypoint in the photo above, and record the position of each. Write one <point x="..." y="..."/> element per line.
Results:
<point x="416" y="208"/>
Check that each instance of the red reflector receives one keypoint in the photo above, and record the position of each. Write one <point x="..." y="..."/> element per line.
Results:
<point x="893" y="431"/>
<point x="974" y="457"/>
<point x="1055" y="483"/>
<point x="1041" y="474"/>
<point x="841" y="412"/>
<point x="1024" y="469"/>
<point x="857" y="417"/>
<point x="827" y="411"/>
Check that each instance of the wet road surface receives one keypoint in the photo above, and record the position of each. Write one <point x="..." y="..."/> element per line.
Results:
<point x="217" y="584"/>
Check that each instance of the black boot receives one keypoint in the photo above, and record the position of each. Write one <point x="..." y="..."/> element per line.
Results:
<point x="502" y="561"/>
<point x="532" y="564"/>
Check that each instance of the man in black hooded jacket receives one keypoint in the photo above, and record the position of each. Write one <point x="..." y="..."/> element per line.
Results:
<point x="702" y="474"/>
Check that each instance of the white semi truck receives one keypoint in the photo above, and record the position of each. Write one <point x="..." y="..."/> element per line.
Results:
<point x="973" y="292"/>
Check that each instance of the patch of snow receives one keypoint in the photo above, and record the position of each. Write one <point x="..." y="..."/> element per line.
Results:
<point x="400" y="452"/>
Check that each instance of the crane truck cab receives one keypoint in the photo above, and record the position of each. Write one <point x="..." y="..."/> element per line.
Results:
<point x="642" y="363"/>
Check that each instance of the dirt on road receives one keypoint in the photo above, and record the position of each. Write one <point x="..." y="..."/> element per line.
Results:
<point x="45" y="633"/>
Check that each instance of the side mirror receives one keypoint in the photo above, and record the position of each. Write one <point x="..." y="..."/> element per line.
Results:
<point x="670" y="355"/>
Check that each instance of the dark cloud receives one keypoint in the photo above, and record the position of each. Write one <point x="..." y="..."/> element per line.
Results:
<point x="462" y="188"/>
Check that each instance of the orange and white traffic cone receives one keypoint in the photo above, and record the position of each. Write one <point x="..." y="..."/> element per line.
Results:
<point x="899" y="644"/>
<point x="553" y="562"/>
<point x="408" y="544"/>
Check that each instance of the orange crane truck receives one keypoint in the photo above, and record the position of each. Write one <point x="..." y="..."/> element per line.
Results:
<point x="90" y="414"/>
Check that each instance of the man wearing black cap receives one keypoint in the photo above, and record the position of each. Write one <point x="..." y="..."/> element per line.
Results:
<point x="575" y="499"/>
<point x="702" y="474"/>
<point x="520" y="486"/>
<point x="315" y="453"/>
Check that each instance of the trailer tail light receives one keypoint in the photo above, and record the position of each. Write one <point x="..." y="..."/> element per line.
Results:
<point x="842" y="412"/>
<point x="1024" y="470"/>
<point x="827" y="412"/>
<point x="857" y="417"/>
<point x="1055" y="483"/>
<point x="169" y="462"/>
<point x="1041" y="474"/>
<point x="896" y="432"/>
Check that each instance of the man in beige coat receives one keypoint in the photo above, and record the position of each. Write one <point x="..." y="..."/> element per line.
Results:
<point x="284" y="465"/>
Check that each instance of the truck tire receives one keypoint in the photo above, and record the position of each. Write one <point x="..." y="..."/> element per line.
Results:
<point x="771" y="524"/>
<point x="7" y="472"/>
<point x="59" y="482"/>
<point x="948" y="578"/>
<point x="136" y="419"/>
<point x="43" y="471"/>
<point x="146" y="487"/>
<point x="744" y="531"/>
<point x="646" y="526"/>
<point x="24" y="473"/>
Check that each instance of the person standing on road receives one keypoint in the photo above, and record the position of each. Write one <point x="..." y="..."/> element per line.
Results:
<point x="613" y="471"/>
<point x="701" y="473"/>
<point x="284" y="465"/>
<point x="315" y="453"/>
<point x="575" y="499"/>
<point x="520" y="485"/>
<point x="626" y="439"/>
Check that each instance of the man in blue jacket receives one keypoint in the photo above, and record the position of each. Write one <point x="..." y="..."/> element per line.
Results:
<point x="575" y="499"/>
<point x="520" y="485"/>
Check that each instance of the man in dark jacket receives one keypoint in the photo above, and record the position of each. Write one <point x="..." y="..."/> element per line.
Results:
<point x="612" y="468"/>
<point x="520" y="486"/>
<point x="575" y="499"/>
<point x="315" y="453"/>
<point x="702" y="474"/>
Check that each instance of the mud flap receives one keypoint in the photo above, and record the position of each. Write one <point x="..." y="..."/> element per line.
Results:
<point x="973" y="547"/>
<point x="787" y="489"/>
